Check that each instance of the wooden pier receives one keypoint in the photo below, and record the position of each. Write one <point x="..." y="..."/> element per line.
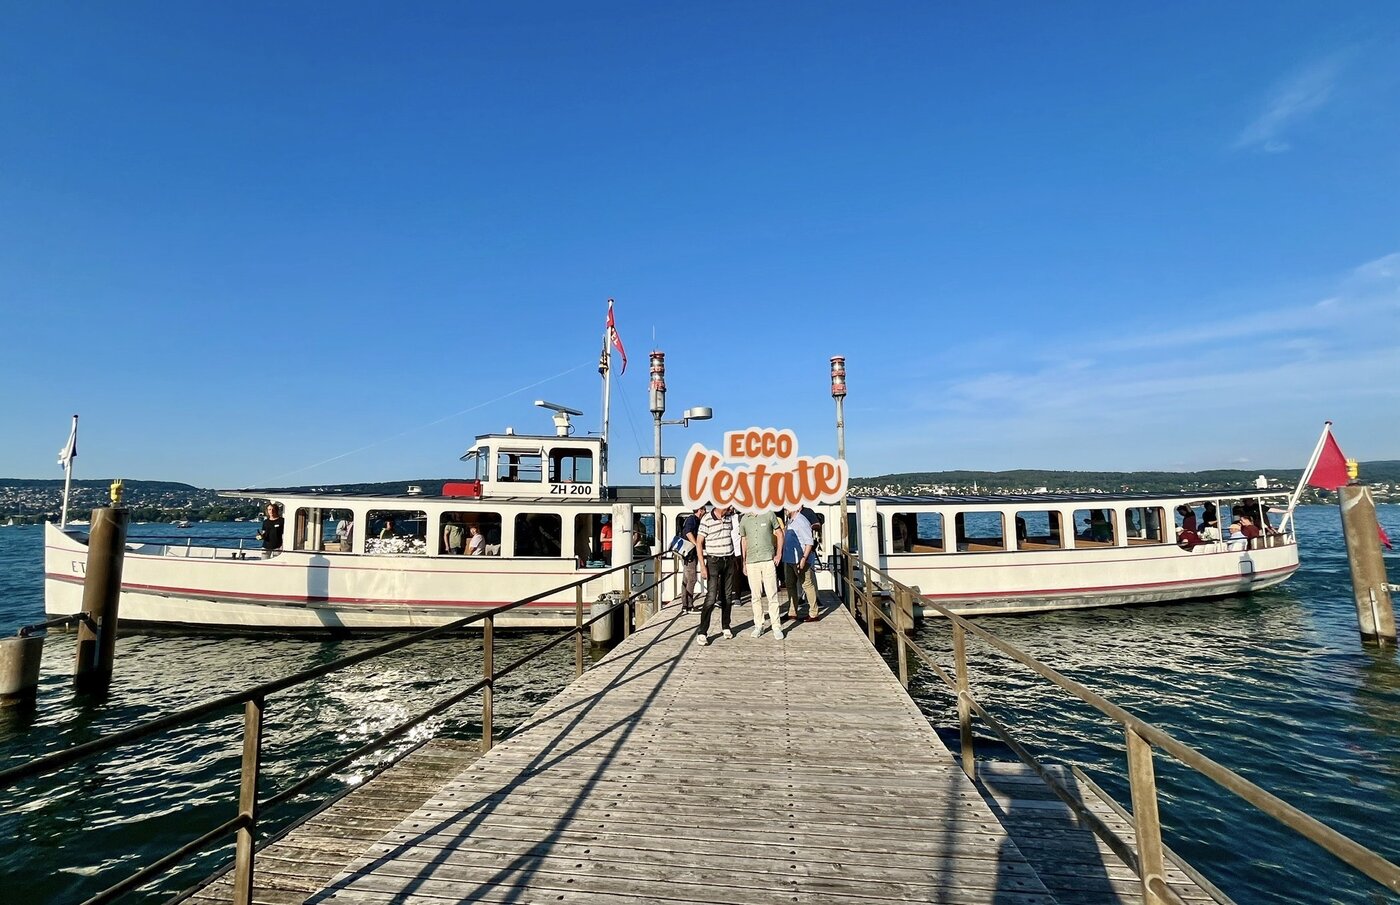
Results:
<point x="749" y="772"/>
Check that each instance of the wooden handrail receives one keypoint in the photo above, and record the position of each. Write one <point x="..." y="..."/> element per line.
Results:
<point x="1140" y="738"/>
<point x="244" y="825"/>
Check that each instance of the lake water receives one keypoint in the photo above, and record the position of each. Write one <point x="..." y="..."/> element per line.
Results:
<point x="1275" y="686"/>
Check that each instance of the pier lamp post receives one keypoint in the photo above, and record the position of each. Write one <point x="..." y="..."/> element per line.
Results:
<point x="658" y="410"/>
<point x="838" y="392"/>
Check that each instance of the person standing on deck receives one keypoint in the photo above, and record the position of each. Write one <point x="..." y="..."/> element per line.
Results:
<point x="797" y="564"/>
<point x="453" y="536"/>
<point x="716" y="552"/>
<point x="605" y="540"/>
<point x="271" y="532"/>
<point x="761" y="535"/>
<point x="690" y="530"/>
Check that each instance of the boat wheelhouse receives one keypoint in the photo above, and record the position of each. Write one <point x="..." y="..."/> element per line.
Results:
<point x="1027" y="553"/>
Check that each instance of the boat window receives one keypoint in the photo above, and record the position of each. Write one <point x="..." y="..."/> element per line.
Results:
<point x="643" y="533"/>
<point x="853" y="531"/>
<point x="1039" y="529"/>
<point x="314" y="528"/>
<point x="487" y="524"/>
<point x="1144" y="524"/>
<point x="916" y="532"/>
<point x="1095" y="528"/>
<point x="475" y="462"/>
<point x="980" y="532"/>
<point x="397" y="531"/>
<point x="1200" y="516"/>
<point x="520" y="466"/>
<point x="538" y="534"/>
<point x="588" y="541"/>
<point x="569" y="465"/>
<point x="880" y="545"/>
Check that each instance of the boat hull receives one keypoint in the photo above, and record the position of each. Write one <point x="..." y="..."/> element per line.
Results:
<point x="208" y="588"/>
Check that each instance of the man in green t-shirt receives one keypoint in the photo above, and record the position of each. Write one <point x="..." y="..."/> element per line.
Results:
<point x="761" y="536"/>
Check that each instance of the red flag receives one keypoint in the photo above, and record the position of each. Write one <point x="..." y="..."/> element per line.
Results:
<point x="1385" y="538"/>
<point x="1330" y="472"/>
<point x="617" y="340"/>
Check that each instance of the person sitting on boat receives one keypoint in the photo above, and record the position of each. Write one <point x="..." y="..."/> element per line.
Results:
<point x="1187" y="538"/>
<point x="1188" y="517"/>
<point x="1248" y="527"/>
<point x="388" y="530"/>
<point x="1099" y="528"/>
<point x="1236" y="539"/>
<point x="271" y="532"/>
<point x="476" y="542"/>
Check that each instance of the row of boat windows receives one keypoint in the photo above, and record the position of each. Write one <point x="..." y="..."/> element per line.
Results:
<point x="1049" y="529"/>
<point x="411" y="532"/>
<point x="567" y="465"/>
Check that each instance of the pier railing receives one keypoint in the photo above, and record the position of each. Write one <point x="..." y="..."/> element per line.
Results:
<point x="244" y="826"/>
<point x="866" y="590"/>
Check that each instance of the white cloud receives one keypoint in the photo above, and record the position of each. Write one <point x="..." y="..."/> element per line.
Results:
<point x="1292" y="100"/>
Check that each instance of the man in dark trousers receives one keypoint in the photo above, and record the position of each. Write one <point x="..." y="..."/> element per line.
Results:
<point x="271" y="532"/>
<point x="716" y="549"/>
<point x="690" y="530"/>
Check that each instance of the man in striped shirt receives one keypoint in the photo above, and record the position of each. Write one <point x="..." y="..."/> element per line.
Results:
<point x="716" y="551"/>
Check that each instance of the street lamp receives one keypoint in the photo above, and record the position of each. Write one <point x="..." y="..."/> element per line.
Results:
<point x="658" y="409"/>
<point x="838" y="393"/>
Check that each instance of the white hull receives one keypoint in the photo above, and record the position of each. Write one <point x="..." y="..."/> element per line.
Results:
<point x="206" y="588"/>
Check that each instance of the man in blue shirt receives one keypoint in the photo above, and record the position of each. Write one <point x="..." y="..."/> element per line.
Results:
<point x="798" y="560"/>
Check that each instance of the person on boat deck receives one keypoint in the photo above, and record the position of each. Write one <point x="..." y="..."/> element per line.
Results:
<point x="1247" y="526"/>
<point x="271" y="532"/>
<point x="1188" y="517"/>
<point x="1020" y="531"/>
<point x="388" y="530"/>
<point x="605" y="539"/>
<point x="1099" y="528"/>
<point x="1210" y="518"/>
<point x="476" y="543"/>
<point x="453" y="536"/>
<point x="1236" y="537"/>
<point x="342" y="533"/>
<point x="1187" y="538"/>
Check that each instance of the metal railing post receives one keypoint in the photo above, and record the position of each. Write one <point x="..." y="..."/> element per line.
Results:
<point x="488" y="692"/>
<point x="1147" y="824"/>
<point x="578" y="631"/>
<point x="969" y="755"/>
<point x="248" y="802"/>
<point x="900" y="599"/>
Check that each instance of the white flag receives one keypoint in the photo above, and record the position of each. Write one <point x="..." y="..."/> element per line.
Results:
<point x="70" y="449"/>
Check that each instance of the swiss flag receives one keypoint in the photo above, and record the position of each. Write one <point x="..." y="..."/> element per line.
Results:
<point x="1330" y="472"/>
<point x="1385" y="538"/>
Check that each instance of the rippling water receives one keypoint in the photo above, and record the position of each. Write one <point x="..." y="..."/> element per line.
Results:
<point x="1275" y="686"/>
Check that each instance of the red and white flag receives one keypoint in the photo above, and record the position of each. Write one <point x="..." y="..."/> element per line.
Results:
<point x="613" y="339"/>
<point x="1330" y="470"/>
<point x="70" y="449"/>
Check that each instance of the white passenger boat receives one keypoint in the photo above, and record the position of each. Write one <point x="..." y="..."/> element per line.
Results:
<point x="381" y="562"/>
<point x="1032" y="553"/>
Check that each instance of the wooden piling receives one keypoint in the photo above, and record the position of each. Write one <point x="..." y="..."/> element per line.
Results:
<point x="19" y="669"/>
<point x="1375" y="612"/>
<point x="102" y="585"/>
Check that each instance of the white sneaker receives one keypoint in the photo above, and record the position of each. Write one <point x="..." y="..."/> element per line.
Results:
<point x="727" y="635"/>
<point x="701" y="640"/>
<point x="777" y="634"/>
<point x="757" y="631"/>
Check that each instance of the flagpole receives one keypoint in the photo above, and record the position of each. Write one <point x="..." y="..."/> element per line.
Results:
<point x="68" y="473"/>
<point x="605" y="365"/>
<point x="1303" y="479"/>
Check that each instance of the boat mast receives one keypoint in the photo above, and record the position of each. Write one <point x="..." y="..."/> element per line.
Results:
<point x="605" y="369"/>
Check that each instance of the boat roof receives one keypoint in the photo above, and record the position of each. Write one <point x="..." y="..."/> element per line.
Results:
<point x="670" y="496"/>
<point x="1072" y="497"/>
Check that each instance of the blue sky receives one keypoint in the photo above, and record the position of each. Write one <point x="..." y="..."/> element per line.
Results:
<point x="294" y="243"/>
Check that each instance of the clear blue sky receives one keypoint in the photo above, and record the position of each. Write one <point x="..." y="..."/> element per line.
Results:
<point x="244" y="240"/>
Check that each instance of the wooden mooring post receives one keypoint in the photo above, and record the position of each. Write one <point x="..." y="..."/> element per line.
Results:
<point x="102" y="586"/>
<point x="1375" y="613"/>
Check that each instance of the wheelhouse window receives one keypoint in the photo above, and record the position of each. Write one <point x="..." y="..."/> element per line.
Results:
<point x="538" y="534"/>
<point x="522" y="466"/>
<point x="916" y="532"/>
<point x="1095" y="528"/>
<point x="1040" y="529"/>
<point x="475" y="462"/>
<point x="397" y="531"/>
<point x="459" y="528"/>
<point x="571" y="465"/>
<point x="980" y="532"/>
<point x="1144" y="524"/>
<point x="588" y="541"/>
